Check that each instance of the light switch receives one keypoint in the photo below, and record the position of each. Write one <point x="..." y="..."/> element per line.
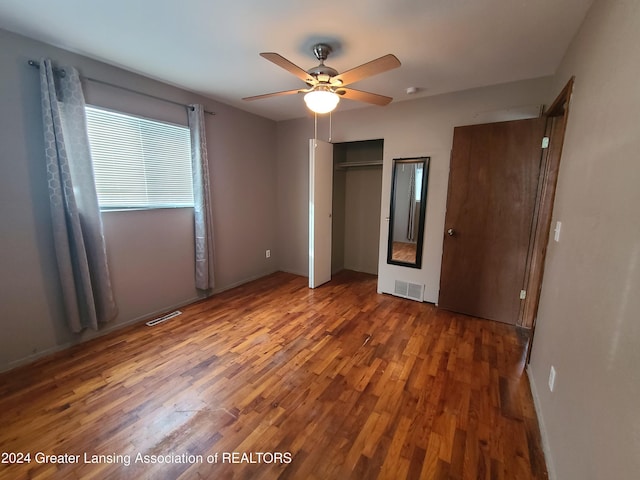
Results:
<point x="556" y="231"/>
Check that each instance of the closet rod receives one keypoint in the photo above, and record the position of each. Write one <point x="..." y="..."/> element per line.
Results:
<point x="33" y="63"/>
<point x="359" y="164"/>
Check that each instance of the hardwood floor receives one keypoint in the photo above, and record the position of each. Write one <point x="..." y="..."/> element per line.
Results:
<point x="333" y="383"/>
<point x="404" y="252"/>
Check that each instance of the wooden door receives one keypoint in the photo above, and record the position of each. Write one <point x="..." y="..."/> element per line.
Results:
<point x="320" y="205"/>
<point x="491" y="200"/>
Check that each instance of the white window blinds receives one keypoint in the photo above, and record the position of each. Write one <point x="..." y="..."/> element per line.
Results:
<point x="139" y="163"/>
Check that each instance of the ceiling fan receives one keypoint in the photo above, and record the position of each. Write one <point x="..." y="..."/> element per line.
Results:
<point x="325" y="85"/>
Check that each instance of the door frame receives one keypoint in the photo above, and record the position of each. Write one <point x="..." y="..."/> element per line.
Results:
<point x="557" y="116"/>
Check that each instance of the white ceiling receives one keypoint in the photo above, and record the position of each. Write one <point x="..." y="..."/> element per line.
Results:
<point x="212" y="46"/>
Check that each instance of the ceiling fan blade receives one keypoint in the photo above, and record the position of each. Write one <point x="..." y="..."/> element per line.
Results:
<point x="379" y="65"/>
<point x="290" y="67"/>
<point x="367" y="97"/>
<point x="275" y="94"/>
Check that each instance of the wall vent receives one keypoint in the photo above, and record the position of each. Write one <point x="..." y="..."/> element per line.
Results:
<point x="412" y="291"/>
<point x="164" y="318"/>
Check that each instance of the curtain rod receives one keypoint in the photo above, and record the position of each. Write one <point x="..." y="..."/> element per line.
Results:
<point x="33" y="63"/>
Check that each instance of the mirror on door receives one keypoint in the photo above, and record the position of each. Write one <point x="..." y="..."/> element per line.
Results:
<point x="407" y="213"/>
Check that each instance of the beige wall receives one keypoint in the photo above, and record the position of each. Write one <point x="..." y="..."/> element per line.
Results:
<point x="150" y="252"/>
<point x="338" y="210"/>
<point x="588" y="323"/>
<point x="422" y="127"/>
<point x="362" y="219"/>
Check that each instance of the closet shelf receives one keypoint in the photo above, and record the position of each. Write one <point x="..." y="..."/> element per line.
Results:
<point x="341" y="166"/>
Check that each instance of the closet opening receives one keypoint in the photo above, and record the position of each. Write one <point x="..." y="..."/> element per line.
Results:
<point x="357" y="196"/>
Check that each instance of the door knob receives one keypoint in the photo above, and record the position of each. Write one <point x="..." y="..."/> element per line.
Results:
<point x="451" y="232"/>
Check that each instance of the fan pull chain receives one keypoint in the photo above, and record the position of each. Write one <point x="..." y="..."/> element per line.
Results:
<point x="315" y="126"/>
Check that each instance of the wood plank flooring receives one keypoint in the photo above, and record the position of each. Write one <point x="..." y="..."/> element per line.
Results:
<point x="404" y="252"/>
<point x="273" y="380"/>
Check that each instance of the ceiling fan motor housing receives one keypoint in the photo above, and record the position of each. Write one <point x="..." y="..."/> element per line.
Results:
<point x="322" y="70"/>
<point x="322" y="73"/>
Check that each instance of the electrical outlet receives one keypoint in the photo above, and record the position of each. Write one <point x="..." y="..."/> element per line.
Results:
<point x="267" y="254"/>
<point x="552" y="378"/>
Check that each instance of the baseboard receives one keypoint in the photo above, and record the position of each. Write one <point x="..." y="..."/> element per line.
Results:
<point x="295" y="272"/>
<point x="546" y="449"/>
<point x="90" y="334"/>
<point x="216" y="291"/>
<point x="87" y="335"/>
<point x="35" y="356"/>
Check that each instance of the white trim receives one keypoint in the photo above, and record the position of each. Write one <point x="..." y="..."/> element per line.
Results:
<point x="546" y="448"/>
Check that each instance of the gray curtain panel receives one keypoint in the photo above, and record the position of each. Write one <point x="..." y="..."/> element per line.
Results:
<point x="202" y="201"/>
<point x="77" y="225"/>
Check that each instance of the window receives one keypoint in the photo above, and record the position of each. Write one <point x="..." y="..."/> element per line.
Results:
<point x="418" y="183"/>
<point x="139" y="163"/>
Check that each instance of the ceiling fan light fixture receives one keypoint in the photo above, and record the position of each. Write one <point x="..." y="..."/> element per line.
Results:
<point x="321" y="101"/>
